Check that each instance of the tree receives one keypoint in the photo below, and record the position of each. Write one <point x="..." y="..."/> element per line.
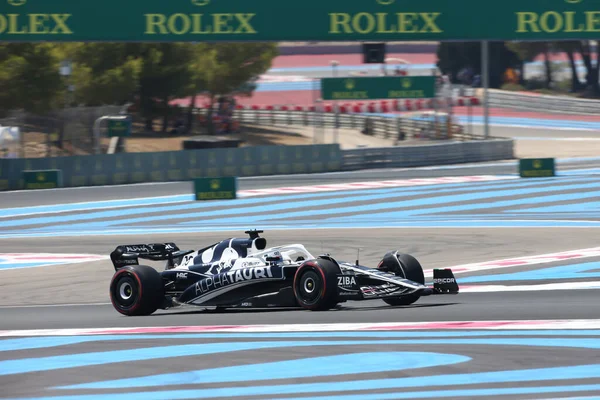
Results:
<point x="235" y="69"/>
<point x="166" y="74"/>
<point x="203" y="67"/>
<point x="116" y="73"/>
<point x="585" y="50"/>
<point x="104" y="73"/>
<point x="29" y="77"/>
<point x="528" y="51"/>
<point x="453" y="57"/>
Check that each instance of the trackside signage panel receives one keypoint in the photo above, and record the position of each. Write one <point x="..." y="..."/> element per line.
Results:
<point x="308" y="20"/>
<point x="415" y="87"/>
<point x="119" y="127"/>
<point x="215" y="188"/>
<point x="47" y="179"/>
<point x="536" y="167"/>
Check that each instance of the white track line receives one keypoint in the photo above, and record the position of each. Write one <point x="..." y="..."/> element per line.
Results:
<point x="530" y="288"/>
<point x="341" y="327"/>
<point x="46" y="259"/>
<point x="521" y="261"/>
<point x="56" y="305"/>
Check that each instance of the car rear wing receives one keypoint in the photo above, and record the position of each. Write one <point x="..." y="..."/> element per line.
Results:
<point x="129" y="254"/>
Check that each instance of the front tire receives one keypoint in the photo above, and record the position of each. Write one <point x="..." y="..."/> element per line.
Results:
<point x="136" y="290"/>
<point x="315" y="284"/>
<point x="406" y="266"/>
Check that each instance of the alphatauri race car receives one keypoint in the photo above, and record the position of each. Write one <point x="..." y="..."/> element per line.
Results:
<point x="244" y="273"/>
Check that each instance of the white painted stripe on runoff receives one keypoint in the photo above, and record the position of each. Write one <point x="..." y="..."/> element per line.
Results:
<point x="521" y="261"/>
<point x="565" y="324"/>
<point x="548" y="126"/>
<point x="374" y="185"/>
<point x="56" y="305"/>
<point x="530" y="288"/>
<point x="99" y="187"/>
<point x="23" y="211"/>
<point x="561" y="139"/>
<point x="14" y="260"/>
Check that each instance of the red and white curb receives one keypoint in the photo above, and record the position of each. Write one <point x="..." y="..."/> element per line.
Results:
<point x="374" y="185"/>
<point x="342" y="327"/>
<point x="383" y="106"/>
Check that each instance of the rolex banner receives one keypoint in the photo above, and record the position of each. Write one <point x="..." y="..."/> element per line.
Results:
<point x="388" y="87"/>
<point x="42" y="179"/>
<point x="308" y="20"/>
<point x="222" y="188"/>
<point x="536" y="167"/>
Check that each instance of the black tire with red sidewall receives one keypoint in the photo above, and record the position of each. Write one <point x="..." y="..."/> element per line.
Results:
<point x="315" y="284"/>
<point x="136" y="290"/>
<point x="407" y="267"/>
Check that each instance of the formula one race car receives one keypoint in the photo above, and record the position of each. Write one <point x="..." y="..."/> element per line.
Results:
<point x="244" y="273"/>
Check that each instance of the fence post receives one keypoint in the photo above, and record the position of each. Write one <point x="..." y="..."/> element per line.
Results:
<point x="401" y="135"/>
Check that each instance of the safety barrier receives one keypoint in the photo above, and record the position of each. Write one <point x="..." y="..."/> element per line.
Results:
<point x="543" y="103"/>
<point x="383" y="126"/>
<point x="431" y="154"/>
<point x="382" y="106"/>
<point x="125" y="168"/>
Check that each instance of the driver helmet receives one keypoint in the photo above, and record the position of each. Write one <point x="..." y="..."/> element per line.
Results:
<point x="274" y="257"/>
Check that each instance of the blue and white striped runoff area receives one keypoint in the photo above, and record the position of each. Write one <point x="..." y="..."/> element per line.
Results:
<point x="571" y="199"/>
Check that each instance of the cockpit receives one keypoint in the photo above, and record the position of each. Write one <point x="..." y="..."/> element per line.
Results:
<point x="252" y="247"/>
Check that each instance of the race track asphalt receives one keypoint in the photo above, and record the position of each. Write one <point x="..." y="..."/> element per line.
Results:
<point x="445" y="363"/>
<point x="435" y="248"/>
<point x="463" y="307"/>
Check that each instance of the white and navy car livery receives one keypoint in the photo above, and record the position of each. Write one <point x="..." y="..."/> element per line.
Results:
<point x="243" y="272"/>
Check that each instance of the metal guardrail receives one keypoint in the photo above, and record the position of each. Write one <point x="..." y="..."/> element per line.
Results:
<point x="535" y="102"/>
<point x="543" y="103"/>
<point x="383" y="126"/>
<point x="463" y="148"/>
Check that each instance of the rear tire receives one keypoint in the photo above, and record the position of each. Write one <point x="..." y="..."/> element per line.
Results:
<point x="315" y="284"/>
<point x="136" y="290"/>
<point x="407" y="267"/>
